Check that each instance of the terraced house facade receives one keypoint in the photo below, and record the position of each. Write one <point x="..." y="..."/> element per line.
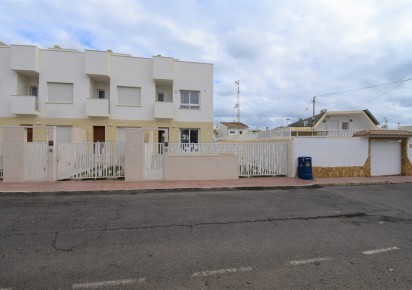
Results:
<point x="103" y="93"/>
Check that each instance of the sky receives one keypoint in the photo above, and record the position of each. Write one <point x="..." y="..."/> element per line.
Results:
<point x="283" y="53"/>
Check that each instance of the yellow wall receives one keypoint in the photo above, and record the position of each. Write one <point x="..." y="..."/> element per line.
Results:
<point x="206" y="128"/>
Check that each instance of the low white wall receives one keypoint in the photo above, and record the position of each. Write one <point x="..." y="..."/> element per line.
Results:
<point x="330" y="152"/>
<point x="201" y="167"/>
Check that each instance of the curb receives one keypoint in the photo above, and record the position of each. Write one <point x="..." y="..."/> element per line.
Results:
<point x="185" y="189"/>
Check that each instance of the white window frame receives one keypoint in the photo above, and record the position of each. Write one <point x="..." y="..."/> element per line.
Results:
<point x="189" y="141"/>
<point x="191" y="102"/>
<point x="345" y="125"/>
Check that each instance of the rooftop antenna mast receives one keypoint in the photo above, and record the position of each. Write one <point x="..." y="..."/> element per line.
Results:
<point x="238" y="101"/>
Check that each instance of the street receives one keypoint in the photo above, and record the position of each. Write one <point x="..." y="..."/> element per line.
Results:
<point x="338" y="237"/>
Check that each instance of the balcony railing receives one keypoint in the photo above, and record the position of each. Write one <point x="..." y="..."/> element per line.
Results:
<point x="97" y="107"/>
<point x="24" y="105"/>
<point x="163" y="110"/>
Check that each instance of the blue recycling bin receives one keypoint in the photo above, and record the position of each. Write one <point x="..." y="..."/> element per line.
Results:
<point x="305" y="168"/>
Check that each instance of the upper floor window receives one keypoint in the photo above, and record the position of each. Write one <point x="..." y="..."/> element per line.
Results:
<point x="160" y="97"/>
<point x="34" y="91"/>
<point x="60" y="92"/>
<point x="100" y="94"/>
<point x="129" y="96"/>
<point x="345" y="125"/>
<point x="189" y="99"/>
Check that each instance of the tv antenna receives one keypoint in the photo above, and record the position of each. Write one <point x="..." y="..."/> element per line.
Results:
<point x="237" y="106"/>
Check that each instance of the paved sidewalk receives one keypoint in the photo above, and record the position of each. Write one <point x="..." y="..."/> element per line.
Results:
<point x="257" y="182"/>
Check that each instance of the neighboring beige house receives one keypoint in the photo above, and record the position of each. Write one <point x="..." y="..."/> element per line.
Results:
<point x="337" y="120"/>
<point x="103" y="93"/>
<point x="231" y="131"/>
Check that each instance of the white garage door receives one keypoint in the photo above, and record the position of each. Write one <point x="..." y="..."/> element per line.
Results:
<point x="385" y="158"/>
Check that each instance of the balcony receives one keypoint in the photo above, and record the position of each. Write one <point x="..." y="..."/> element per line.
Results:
<point x="97" y="108"/>
<point x="163" y="110"/>
<point x="24" y="105"/>
<point x="163" y="68"/>
<point x="97" y="64"/>
<point x="25" y="59"/>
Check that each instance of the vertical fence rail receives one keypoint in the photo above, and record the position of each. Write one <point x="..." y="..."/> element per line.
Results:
<point x="36" y="161"/>
<point x="90" y="160"/>
<point x="1" y="162"/>
<point x="255" y="159"/>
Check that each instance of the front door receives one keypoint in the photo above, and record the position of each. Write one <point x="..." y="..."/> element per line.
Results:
<point x="99" y="134"/>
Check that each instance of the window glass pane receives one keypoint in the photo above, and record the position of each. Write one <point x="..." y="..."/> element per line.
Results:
<point x="184" y="136"/>
<point x="100" y="94"/>
<point x="60" y="92"/>
<point x="194" y="136"/>
<point x="129" y="96"/>
<point x="194" y="100"/>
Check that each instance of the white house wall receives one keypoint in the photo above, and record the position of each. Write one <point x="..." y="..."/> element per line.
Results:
<point x="329" y="152"/>
<point x="359" y="121"/>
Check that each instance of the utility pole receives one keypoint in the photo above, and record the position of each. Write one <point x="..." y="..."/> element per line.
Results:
<point x="238" y="101"/>
<point x="313" y="113"/>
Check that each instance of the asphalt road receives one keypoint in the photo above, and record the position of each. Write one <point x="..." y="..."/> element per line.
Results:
<point x="356" y="237"/>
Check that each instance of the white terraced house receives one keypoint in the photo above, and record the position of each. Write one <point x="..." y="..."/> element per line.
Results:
<point x="104" y="93"/>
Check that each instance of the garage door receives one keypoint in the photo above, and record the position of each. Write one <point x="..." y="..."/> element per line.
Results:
<point x="385" y="158"/>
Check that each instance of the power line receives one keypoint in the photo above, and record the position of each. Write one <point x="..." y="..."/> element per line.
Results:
<point x="369" y="87"/>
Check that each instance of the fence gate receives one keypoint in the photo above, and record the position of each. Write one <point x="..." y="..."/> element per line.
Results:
<point x="90" y="160"/>
<point x="36" y="164"/>
<point x="257" y="159"/>
<point x="154" y="161"/>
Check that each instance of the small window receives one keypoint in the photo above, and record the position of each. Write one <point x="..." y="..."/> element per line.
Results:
<point x="100" y="94"/>
<point x="160" y="97"/>
<point x="189" y="100"/>
<point x="34" y="91"/>
<point x="345" y="126"/>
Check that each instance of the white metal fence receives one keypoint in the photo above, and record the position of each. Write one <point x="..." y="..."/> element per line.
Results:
<point x="255" y="159"/>
<point x="36" y="164"/>
<point x="90" y="160"/>
<point x="1" y="162"/>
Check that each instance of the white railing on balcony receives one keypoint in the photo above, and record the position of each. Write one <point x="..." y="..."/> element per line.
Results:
<point x="97" y="107"/>
<point x="25" y="105"/>
<point x="163" y="110"/>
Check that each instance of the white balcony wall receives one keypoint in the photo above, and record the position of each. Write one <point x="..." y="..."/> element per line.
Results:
<point x="163" y="110"/>
<point x="8" y="82"/>
<point x="25" y="58"/>
<point x="97" y="63"/>
<point x="163" y="68"/>
<point x="24" y="105"/>
<point x="97" y="107"/>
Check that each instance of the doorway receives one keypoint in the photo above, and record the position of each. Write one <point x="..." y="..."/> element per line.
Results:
<point x="99" y="134"/>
